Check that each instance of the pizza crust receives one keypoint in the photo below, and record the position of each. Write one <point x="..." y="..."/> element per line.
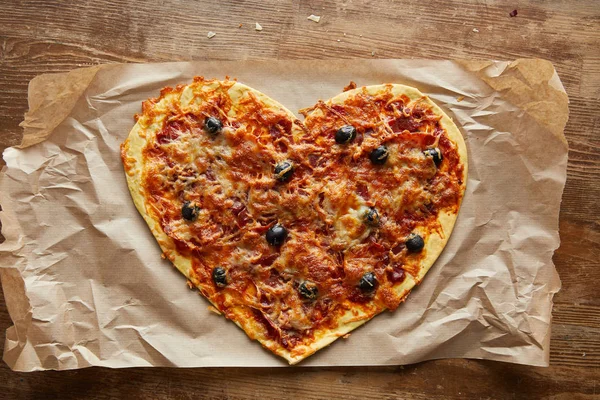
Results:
<point x="132" y="154"/>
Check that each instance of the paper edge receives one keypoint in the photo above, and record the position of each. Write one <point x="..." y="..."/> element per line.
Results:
<point x="549" y="77"/>
<point x="66" y="90"/>
<point x="552" y="80"/>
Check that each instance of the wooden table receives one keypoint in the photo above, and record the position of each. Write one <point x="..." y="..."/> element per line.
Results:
<point x="38" y="37"/>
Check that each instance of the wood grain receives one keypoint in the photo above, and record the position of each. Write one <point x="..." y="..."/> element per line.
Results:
<point x="40" y="37"/>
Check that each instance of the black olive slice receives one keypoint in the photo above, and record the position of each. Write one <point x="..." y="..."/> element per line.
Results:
<point x="414" y="242"/>
<point x="379" y="155"/>
<point x="219" y="276"/>
<point x="190" y="211"/>
<point x="368" y="283"/>
<point x="372" y="217"/>
<point x="435" y="154"/>
<point x="284" y="170"/>
<point x="276" y="235"/>
<point x="308" y="290"/>
<point x="212" y="125"/>
<point x="345" y="134"/>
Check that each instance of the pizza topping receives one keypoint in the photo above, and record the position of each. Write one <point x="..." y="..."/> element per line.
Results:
<point x="284" y="170"/>
<point x="171" y="132"/>
<point x="190" y="211"/>
<point x="219" y="276"/>
<point x="396" y="274"/>
<point x="435" y="154"/>
<point x="276" y="235"/>
<point x="379" y="155"/>
<point x="368" y="283"/>
<point x="371" y="217"/>
<point x="350" y="86"/>
<point x="213" y="125"/>
<point x="345" y="134"/>
<point x="308" y="290"/>
<point x="414" y="242"/>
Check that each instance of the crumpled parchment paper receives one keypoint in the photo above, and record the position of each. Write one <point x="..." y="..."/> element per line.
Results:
<point x="85" y="284"/>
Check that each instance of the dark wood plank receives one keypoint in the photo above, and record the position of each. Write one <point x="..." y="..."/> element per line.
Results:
<point x="39" y="37"/>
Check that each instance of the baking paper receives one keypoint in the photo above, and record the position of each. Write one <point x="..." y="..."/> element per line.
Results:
<point x="85" y="284"/>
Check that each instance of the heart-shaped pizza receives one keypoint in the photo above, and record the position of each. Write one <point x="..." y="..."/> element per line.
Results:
<point x="298" y="232"/>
